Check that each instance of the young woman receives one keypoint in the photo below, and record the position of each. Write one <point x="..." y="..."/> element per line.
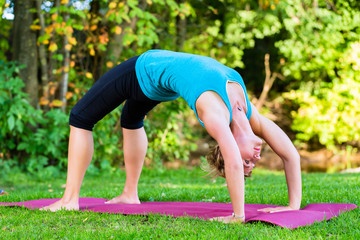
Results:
<point x="217" y="95"/>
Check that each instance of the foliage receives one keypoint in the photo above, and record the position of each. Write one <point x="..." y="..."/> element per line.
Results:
<point x="170" y="135"/>
<point x="314" y="48"/>
<point x="318" y="44"/>
<point x="108" y="141"/>
<point x="28" y="136"/>
<point x="64" y="27"/>
<point x="325" y="62"/>
<point x="4" y="33"/>
<point x="35" y="139"/>
<point x="264" y="187"/>
<point x="230" y="29"/>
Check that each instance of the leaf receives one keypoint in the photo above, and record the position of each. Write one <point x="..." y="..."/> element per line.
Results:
<point x="92" y="52"/>
<point x="44" y="39"/>
<point x="112" y="5"/>
<point x="78" y="27"/>
<point x="11" y="122"/>
<point x="57" y="103"/>
<point x="53" y="47"/>
<point x="35" y="27"/>
<point x="44" y="101"/>
<point x="69" y="95"/>
<point x="118" y="30"/>
<point x="72" y="40"/>
<point x="68" y="47"/>
<point x="109" y="64"/>
<point x="22" y="146"/>
<point x="89" y="75"/>
<point x="103" y="39"/>
<point x="54" y="16"/>
<point x="69" y="29"/>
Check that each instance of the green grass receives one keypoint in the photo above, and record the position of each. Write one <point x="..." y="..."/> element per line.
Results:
<point x="174" y="185"/>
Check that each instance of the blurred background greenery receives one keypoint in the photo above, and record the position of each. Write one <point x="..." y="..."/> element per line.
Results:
<point x="300" y="60"/>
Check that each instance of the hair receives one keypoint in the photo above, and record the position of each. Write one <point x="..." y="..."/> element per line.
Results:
<point x="216" y="165"/>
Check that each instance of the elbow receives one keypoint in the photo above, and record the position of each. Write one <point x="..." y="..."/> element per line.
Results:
<point x="294" y="157"/>
<point x="292" y="161"/>
<point x="234" y="166"/>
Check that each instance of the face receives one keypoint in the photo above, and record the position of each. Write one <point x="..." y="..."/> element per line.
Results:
<point x="248" y="143"/>
<point x="250" y="149"/>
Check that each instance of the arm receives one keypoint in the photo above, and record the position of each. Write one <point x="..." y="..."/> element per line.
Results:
<point x="219" y="129"/>
<point x="283" y="147"/>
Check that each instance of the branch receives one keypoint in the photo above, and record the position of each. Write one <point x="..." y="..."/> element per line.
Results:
<point x="269" y="80"/>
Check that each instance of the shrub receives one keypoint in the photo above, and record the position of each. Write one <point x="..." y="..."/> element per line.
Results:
<point x="29" y="138"/>
<point x="329" y="110"/>
<point x="36" y="141"/>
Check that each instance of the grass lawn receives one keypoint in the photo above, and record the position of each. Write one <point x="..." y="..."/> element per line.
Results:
<point x="174" y="185"/>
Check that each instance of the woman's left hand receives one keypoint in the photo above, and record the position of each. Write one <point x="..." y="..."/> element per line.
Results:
<point x="277" y="209"/>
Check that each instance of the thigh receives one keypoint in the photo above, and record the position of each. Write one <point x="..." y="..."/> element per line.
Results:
<point x="133" y="113"/>
<point x="105" y="95"/>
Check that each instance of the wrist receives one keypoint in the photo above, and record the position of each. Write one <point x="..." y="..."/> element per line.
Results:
<point x="294" y="206"/>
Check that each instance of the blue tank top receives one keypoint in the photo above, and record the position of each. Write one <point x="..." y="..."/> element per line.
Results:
<point x="165" y="75"/>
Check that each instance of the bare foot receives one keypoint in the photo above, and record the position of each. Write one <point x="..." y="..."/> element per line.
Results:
<point x="124" y="199"/>
<point x="60" y="205"/>
<point x="228" y="219"/>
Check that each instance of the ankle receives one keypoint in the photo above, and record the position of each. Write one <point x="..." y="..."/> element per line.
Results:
<point x="70" y="198"/>
<point x="130" y="194"/>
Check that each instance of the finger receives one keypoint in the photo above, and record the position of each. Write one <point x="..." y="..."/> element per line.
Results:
<point x="265" y="209"/>
<point x="279" y="210"/>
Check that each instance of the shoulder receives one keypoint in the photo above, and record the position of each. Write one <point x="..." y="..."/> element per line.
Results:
<point x="254" y="114"/>
<point x="257" y="121"/>
<point x="210" y="106"/>
<point x="213" y="112"/>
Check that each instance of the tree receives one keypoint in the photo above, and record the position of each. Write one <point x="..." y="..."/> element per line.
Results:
<point x="25" y="48"/>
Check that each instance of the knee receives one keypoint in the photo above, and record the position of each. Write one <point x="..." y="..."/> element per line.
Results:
<point x="77" y="121"/>
<point x="131" y="118"/>
<point x="130" y="124"/>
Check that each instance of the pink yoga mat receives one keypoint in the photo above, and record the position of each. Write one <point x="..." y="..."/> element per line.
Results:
<point x="205" y="210"/>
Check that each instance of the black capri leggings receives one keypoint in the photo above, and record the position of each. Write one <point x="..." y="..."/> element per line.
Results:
<point x="116" y="86"/>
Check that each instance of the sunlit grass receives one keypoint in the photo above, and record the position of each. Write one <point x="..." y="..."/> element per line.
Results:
<point x="264" y="187"/>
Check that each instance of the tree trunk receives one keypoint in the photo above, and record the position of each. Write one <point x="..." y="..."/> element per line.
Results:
<point x="25" y="48"/>
<point x="52" y="64"/>
<point x="181" y="30"/>
<point x="116" y="45"/>
<point x="43" y="60"/>
<point x="96" y="60"/>
<point x="64" y="80"/>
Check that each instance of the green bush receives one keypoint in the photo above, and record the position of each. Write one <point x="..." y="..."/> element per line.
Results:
<point x="169" y="134"/>
<point x="329" y="111"/>
<point x="108" y="142"/>
<point x="322" y="53"/>
<point x="36" y="141"/>
<point x="29" y="138"/>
